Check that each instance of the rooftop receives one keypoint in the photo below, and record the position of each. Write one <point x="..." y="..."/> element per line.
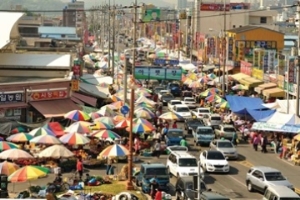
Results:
<point x="16" y="80"/>
<point x="54" y="30"/>
<point x="249" y="28"/>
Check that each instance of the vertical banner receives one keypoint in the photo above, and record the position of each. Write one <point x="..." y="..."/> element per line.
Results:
<point x="271" y="61"/>
<point x="265" y="55"/>
<point x="255" y="57"/>
<point x="291" y="72"/>
<point x="241" y="48"/>
<point x="230" y="49"/>
<point x="295" y="69"/>
<point x="281" y="64"/>
<point x="261" y="54"/>
<point x="213" y="46"/>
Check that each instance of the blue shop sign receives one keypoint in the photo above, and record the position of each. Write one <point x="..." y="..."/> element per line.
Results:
<point x="11" y="97"/>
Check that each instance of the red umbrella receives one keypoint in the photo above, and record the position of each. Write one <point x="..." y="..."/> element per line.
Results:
<point x="56" y="128"/>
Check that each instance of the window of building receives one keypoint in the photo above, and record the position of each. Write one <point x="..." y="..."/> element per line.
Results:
<point x="233" y="26"/>
<point x="263" y="20"/>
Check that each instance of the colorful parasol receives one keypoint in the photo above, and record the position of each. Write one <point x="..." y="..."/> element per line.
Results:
<point x="14" y="154"/>
<point x="77" y="115"/>
<point x="201" y="74"/>
<point x="115" y="98"/>
<point x="79" y="127"/>
<point x="56" y="128"/>
<point x="7" y="145"/>
<point x="239" y="87"/>
<point x="212" y="98"/>
<point x="45" y="139"/>
<point x="19" y="137"/>
<point x="220" y="100"/>
<point x="170" y="116"/>
<point x="144" y="113"/>
<point x="41" y="131"/>
<point x="119" y="104"/>
<point x="100" y="126"/>
<point x="95" y="115"/>
<point x="204" y="79"/>
<point x="8" y="168"/>
<point x="207" y="93"/>
<point x="18" y="129"/>
<point x="123" y="124"/>
<point x="74" y="139"/>
<point x="106" y="111"/>
<point x="140" y="92"/>
<point x="104" y="134"/>
<point x="118" y="118"/>
<point x="106" y="120"/>
<point x="28" y="173"/>
<point x="223" y="105"/>
<point x="56" y="151"/>
<point x="114" y="151"/>
<point x="144" y="105"/>
<point x="211" y="76"/>
<point x="213" y="90"/>
<point x="195" y="84"/>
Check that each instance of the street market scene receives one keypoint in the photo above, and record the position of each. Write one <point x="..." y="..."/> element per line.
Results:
<point x="142" y="102"/>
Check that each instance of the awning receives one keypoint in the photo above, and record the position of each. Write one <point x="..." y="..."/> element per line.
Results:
<point x="250" y="82"/>
<point x="239" y="76"/>
<point x="208" y="67"/>
<point x="14" y="105"/>
<point x="264" y="86"/>
<point x="86" y="99"/>
<point x="55" y="108"/>
<point x="77" y="101"/>
<point x="228" y="68"/>
<point x="274" y="92"/>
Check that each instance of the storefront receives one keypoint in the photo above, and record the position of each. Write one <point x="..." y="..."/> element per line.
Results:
<point x="250" y="82"/>
<point x="13" y="105"/>
<point x="274" y="93"/>
<point x="259" y="89"/>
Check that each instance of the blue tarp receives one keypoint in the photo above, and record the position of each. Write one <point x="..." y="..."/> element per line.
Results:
<point x="258" y="115"/>
<point x="241" y="105"/>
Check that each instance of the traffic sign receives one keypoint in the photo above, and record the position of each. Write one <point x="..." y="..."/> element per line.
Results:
<point x="124" y="110"/>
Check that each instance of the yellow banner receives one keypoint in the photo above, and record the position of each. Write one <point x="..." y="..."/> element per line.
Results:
<point x="75" y="85"/>
<point x="257" y="73"/>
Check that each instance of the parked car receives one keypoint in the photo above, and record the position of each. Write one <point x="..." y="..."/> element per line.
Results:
<point x="260" y="178"/>
<point x="203" y="135"/>
<point x="280" y="192"/>
<point x="150" y="170"/>
<point x="200" y="112"/>
<point x="174" y="136"/>
<point x="190" y="102"/>
<point x="172" y="103"/>
<point x="183" y="111"/>
<point x="185" y="189"/>
<point x="214" y="161"/>
<point x="166" y="98"/>
<point x="213" y="120"/>
<point x="192" y="124"/>
<point x="226" y="147"/>
<point x="225" y="131"/>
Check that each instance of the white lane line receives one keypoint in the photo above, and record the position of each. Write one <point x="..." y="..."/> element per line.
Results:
<point x="235" y="179"/>
<point x="282" y="159"/>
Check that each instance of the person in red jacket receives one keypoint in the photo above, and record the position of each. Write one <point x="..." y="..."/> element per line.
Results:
<point x="158" y="195"/>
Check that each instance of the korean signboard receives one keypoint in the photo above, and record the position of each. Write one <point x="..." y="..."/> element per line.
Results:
<point x="158" y="73"/>
<point x="265" y="57"/>
<point x="75" y="85"/>
<point x="281" y="64"/>
<point x="291" y="71"/>
<point x="230" y="49"/>
<point x="241" y="50"/>
<point x="214" y="7"/>
<point x="255" y="58"/>
<point x="246" y="67"/>
<point x="271" y="60"/>
<point x="11" y="97"/>
<point x="151" y="15"/>
<point x="47" y="95"/>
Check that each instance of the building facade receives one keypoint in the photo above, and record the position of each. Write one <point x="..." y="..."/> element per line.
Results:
<point x="74" y="15"/>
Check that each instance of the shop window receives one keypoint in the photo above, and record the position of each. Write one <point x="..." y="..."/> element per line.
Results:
<point x="263" y="20"/>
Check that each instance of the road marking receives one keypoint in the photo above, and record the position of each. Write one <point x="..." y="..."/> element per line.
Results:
<point x="287" y="162"/>
<point x="240" y="182"/>
<point x="245" y="163"/>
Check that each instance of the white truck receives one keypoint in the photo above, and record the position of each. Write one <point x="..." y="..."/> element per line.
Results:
<point x="200" y="112"/>
<point x="190" y="102"/>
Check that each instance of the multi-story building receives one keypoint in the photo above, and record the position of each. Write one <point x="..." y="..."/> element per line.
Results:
<point x="74" y="15"/>
<point x="181" y="4"/>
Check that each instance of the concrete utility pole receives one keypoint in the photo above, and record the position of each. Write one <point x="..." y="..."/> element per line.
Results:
<point x="109" y="31"/>
<point x="298" y="67"/>
<point x="102" y="28"/>
<point x="224" y="50"/>
<point x="192" y="33"/>
<point x="113" y="42"/>
<point x="197" y="13"/>
<point x="130" y="157"/>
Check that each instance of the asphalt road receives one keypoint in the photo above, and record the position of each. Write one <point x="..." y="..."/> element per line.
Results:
<point x="231" y="185"/>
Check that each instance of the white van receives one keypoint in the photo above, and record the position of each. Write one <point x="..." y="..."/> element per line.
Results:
<point x="279" y="192"/>
<point x="181" y="164"/>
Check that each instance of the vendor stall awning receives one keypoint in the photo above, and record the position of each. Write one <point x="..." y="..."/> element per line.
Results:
<point x="208" y="67"/>
<point x="228" y="68"/>
<point x="264" y="86"/>
<point x="274" y="92"/>
<point x="239" y="76"/>
<point x="250" y="82"/>
<point x="55" y="108"/>
<point x="86" y="99"/>
<point x="14" y="105"/>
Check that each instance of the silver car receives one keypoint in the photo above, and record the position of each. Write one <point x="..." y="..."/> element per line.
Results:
<point x="260" y="178"/>
<point x="226" y="147"/>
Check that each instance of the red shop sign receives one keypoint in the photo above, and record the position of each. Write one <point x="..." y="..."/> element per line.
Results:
<point x="48" y="95"/>
<point x="214" y="7"/>
<point x="246" y="68"/>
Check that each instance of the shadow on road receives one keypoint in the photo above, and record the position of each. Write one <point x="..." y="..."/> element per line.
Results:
<point x="171" y="190"/>
<point x="241" y="158"/>
<point x="209" y="179"/>
<point x="233" y="171"/>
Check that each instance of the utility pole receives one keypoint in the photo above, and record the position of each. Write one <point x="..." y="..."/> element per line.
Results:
<point x="179" y="34"/>
<point x="113" y="42"/>
<point x="109" y="43"/>
<point x="224" y="50"/>
<point x="197" y="6"/>
<point x="102" y="28"/>
<point x="192" y="33"/>
<point x="298" y="66"/>
<point x="130" y="157"/>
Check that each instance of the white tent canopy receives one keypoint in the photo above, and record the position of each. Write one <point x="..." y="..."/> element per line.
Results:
<point x="283" y="106"/>
<point x="282" y="119"/>
<point x="188" y="66"/>
<point x="145" y="100"/>
<point x="56" y="151"/>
